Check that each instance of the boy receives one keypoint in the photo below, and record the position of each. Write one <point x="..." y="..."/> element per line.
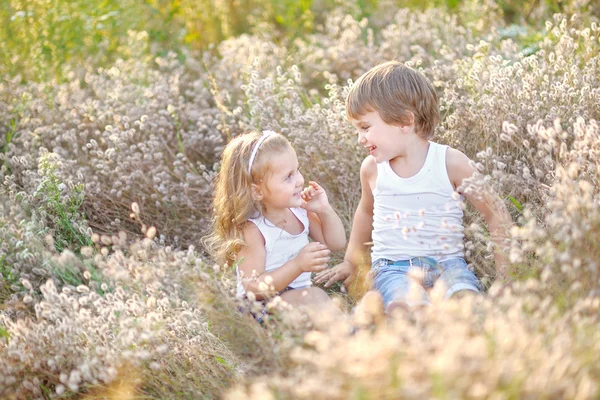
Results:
<point x="410" y="207"/>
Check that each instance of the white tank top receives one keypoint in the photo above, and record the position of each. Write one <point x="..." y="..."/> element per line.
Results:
<point x="280" y="247"/>
<point x="417" y="216"/>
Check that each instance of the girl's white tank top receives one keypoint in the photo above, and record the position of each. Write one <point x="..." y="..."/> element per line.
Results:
<point x="417" y="216"/>
<point x="280" y="247"/>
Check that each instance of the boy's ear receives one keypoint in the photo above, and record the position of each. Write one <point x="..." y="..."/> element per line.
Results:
<point x="408" y="121"/>
<point x="256" y="191"/>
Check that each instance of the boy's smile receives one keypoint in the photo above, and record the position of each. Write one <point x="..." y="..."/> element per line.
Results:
<point x="382" y="141"/>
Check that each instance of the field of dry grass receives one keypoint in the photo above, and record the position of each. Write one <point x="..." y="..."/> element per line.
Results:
<point x="101" y="297"/>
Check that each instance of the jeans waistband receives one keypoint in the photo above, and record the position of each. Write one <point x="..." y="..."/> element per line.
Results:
<point x="413" y="262"/>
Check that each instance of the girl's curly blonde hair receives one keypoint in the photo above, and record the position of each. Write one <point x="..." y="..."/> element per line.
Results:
<point x="233" y="204"/>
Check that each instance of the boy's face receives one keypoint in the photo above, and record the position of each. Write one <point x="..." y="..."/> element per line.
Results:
<point x="383" y="141"/>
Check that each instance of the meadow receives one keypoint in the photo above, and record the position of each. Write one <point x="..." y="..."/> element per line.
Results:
<point x="113" y="116"/>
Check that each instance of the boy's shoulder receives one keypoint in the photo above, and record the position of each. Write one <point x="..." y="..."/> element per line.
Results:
<point x="456" y="158"/>
<point x="459" y="166"/>
<point x="368" y="165"/>
<point x="368" y="173"/>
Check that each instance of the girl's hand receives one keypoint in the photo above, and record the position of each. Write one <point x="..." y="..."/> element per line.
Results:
<point x="315" y="198"/>
<point x="313" y="257"/>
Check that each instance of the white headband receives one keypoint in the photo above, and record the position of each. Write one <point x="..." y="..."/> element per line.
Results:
<point x="265" y="135"/>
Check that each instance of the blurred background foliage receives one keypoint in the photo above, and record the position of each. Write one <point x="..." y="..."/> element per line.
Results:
<point x="43" y="40"/>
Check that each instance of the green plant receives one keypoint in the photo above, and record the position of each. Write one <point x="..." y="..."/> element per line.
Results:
<point x="60" y="204"/>
<point x="43" y="40"/>
<point x="4" y="334"/>
<point x="8" y="136"/>
<point x="7" y="275"/>
<point x="7" y="280"/>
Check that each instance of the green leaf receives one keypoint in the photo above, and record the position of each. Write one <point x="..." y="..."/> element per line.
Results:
<point x="516" y="203"/>
<point x="4" y="334"/>
<point x="221" y="360"/>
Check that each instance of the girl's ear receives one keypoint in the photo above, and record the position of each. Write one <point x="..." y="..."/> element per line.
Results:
<point x="256" y="191"/>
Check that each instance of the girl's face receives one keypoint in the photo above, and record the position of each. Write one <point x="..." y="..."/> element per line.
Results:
<point x="284" y="183"/>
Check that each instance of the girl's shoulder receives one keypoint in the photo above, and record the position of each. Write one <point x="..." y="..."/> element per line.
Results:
<point x="252" y="233"/>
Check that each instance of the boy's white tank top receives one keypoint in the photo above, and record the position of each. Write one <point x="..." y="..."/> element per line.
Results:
<point x="281" y="247"/>
<point x="420" y="216"/>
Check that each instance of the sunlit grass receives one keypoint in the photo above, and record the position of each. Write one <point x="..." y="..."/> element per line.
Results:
<point x="102" y="298"/>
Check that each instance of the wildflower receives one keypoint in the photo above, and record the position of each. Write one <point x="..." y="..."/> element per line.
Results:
<point x="151" y="233"/>
<point x="135" y="208"/>
<point x="26" y="284"/>
<point x="83" y="289"/>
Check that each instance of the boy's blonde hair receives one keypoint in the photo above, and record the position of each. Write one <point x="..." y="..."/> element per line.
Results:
<point x="233" y="204"/>
<point x="393" y="90"/>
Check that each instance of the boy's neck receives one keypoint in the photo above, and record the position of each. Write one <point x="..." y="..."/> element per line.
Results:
<point x="410" y="161"/>
<point x="415" y="148"/>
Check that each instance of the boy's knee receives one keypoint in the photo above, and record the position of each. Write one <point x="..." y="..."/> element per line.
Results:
<point x="404" y="307"/>
<point x="397" y="306"/>
<point x="459" y="294"/>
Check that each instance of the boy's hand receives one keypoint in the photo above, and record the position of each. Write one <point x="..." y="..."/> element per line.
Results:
<point x="315" y="198"/>
<point x="343" y="271"/>
<point x="313" y="257"/>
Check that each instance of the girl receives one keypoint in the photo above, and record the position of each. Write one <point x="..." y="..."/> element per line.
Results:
<point x="263" y="218"/>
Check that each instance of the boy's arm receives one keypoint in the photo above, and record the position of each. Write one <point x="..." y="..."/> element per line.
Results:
<point x="360" y="236"/>
<point x="327" y="227"/>
<point x="487" y="203"/>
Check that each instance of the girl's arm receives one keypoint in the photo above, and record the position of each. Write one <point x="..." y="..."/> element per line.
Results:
<point x="251" y="262"/>
<point x="325" y="225"/>
<point x="488" y="203"/>
<point x="360" y="236"/>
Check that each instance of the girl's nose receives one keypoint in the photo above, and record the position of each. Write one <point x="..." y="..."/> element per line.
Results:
<point x="300" y="179"/>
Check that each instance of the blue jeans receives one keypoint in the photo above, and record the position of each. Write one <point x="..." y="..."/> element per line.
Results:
<point x="420" y="279"/>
